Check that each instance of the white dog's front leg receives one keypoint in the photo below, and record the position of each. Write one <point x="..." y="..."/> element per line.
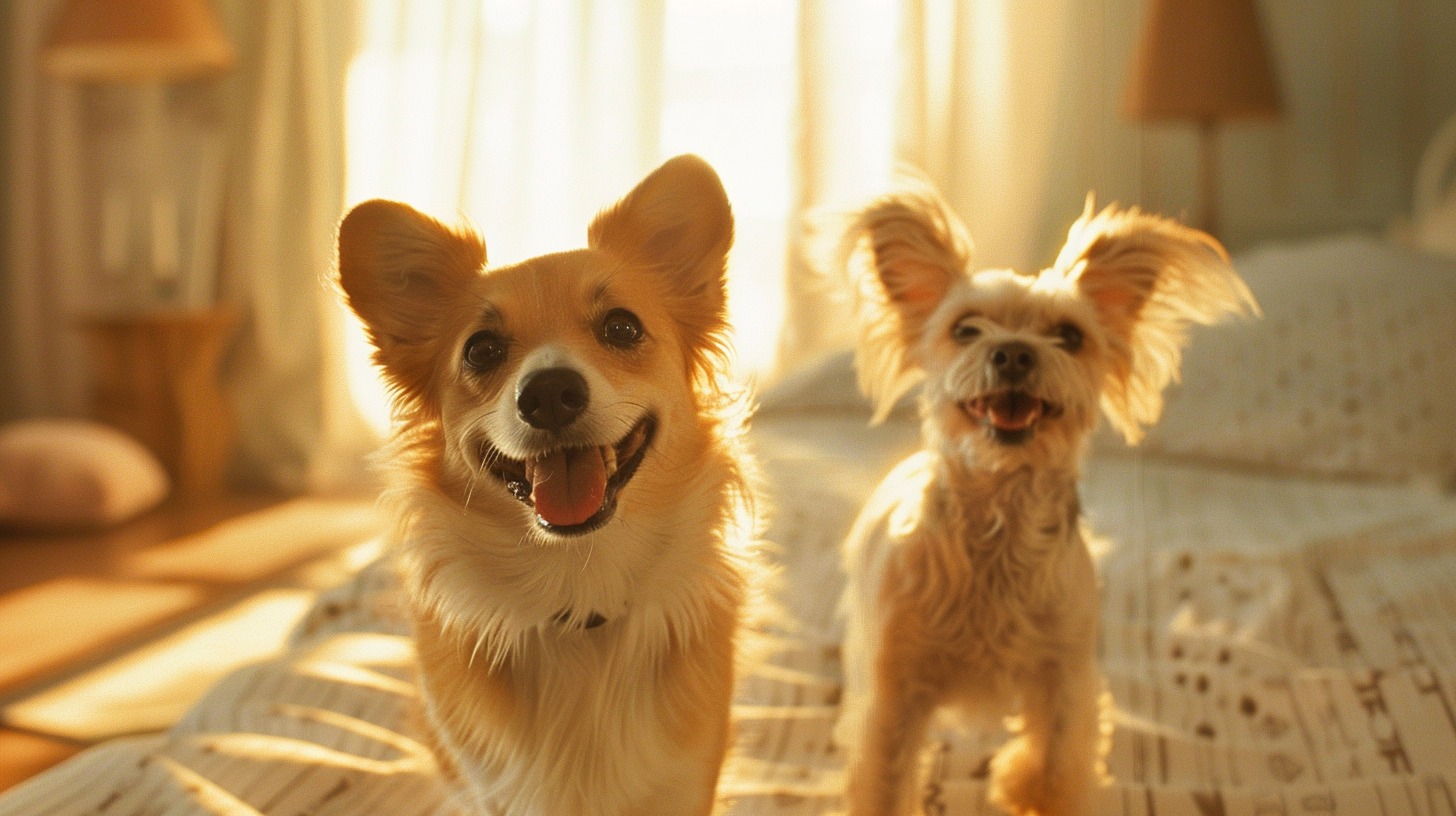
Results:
<point x="1051" y="767"/>
<point x="884" y="769"/>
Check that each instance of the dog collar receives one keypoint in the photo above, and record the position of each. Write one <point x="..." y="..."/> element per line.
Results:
<point x="593" y="619"/>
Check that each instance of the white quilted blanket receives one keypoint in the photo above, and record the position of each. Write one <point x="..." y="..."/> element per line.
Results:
<point x="1274" y="646"/>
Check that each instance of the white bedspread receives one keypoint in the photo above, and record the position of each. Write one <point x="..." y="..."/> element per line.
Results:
<point x="1273" y="645"/>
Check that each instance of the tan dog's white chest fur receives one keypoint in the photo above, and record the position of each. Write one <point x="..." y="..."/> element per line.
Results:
<point x="970" y="583"/>
<point x="571" y="497"/>
<point x="645" y="748"/>
<point x="627" y="717"/>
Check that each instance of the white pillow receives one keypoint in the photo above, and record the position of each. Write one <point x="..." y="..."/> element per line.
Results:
<point x="1352" y="370"/>
<point x="62" y="473"/>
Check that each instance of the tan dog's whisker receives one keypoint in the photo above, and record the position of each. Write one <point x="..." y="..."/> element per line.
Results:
<point x="470" y="492"/>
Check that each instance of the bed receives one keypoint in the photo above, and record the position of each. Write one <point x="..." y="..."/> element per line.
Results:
<point x="1278" y="579"/>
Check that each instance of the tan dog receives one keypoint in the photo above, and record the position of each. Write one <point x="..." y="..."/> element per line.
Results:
<point x="970" y="581"/>
<point x="570" y="496"/>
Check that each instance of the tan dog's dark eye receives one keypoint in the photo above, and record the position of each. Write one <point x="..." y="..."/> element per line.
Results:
<point x="965" y="331"/>
<point x="1069" y="336"/>
<point x="621" y="328"/>
<point x="485" y="350"/>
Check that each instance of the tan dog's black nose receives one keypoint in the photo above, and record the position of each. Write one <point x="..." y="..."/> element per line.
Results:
<point x="551" y="398"/>
<point x="1013" y="361"/>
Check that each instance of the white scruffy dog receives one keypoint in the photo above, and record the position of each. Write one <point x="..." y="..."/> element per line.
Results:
<point x="970" y="580"/>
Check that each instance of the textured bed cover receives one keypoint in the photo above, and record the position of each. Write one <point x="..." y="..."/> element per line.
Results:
<point x="1273" y="645"/>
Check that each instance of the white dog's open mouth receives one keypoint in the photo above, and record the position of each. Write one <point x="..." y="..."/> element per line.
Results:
<point x="1009" y="415"/>
<point x="573" y="490"/>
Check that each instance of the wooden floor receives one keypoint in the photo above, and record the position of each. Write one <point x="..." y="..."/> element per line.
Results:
<point x="70" y="601"/>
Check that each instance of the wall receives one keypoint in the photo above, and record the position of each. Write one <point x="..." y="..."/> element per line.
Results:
<point x="1366" y="83"/>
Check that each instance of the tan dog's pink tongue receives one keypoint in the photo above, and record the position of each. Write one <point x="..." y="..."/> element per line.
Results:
<point x="568" y="487"/>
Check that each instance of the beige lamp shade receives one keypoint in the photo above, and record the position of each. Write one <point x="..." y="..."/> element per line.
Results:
<point x="137" y="41"/>
<point x="1203" y="60"/>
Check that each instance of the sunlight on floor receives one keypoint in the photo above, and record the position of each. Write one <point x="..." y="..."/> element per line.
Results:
<point x="153" y="686"/>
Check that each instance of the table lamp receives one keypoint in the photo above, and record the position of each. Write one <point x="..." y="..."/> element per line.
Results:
<point x="136" y="41"/>
<point x="1204" y="61"/>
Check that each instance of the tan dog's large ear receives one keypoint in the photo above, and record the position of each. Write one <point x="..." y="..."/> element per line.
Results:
<point x="1149" y="279"/>
<point x="904" y="250"/>
<point x="402" y="272"/>
<point x="677" y="222"/>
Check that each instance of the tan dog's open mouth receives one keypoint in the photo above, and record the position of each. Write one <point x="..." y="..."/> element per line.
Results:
<point x="573" y="490"/>
<point x="1010" y="416"/>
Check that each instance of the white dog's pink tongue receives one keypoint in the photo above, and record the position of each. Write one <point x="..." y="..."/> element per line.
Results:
<point x="568" y="487"/>
<point x="1013" y="411"/>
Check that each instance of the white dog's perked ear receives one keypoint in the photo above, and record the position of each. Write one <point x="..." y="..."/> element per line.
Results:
<point x="1149" y="279"/>
<point x="913" y="248"/>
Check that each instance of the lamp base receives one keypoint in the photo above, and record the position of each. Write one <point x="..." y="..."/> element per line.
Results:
<point x="1208" y="176"/>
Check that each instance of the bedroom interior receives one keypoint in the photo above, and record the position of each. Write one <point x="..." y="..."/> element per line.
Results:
<point x="192" y="610"/>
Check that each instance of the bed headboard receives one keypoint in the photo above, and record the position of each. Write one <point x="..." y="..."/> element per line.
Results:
<point x="1433" y="215"/>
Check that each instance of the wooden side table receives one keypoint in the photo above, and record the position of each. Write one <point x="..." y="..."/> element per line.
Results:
<point x="156" y="377"/>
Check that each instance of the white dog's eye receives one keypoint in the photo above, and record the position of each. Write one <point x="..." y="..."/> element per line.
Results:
<point x="485" y="350"/>
<point x="964" y="331"/>
<point x="1069" y="336"/>
<point x="621" y="328"/>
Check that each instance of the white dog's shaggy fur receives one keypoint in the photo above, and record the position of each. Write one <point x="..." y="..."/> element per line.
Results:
<point x="970" y="580"/>
<point x="571" y="497"/>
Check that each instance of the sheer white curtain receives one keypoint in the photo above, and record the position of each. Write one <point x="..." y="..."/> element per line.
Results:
<point x="527" y="117"/>
<point x="519" y="115"/>
<point x="982" y="91"/>
<point x="298" y="427"/>
<point x="965" y="92"/>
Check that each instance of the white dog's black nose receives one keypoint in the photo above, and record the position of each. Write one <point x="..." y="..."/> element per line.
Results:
<point x="551" y="398"/>
<point x="1013" y="361"/>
